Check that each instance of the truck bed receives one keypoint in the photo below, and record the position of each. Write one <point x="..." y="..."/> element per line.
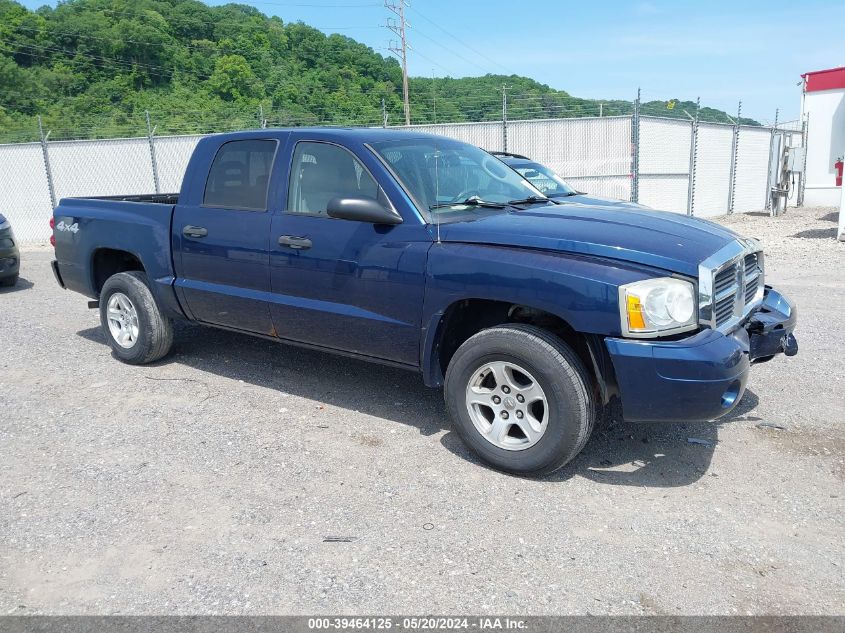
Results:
<point x="150" y="198"/>
<point x="139" y="224"/>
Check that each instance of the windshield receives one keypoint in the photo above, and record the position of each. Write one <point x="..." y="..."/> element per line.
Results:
<point x="544" y="179"/>
<point x="449" y="179"/>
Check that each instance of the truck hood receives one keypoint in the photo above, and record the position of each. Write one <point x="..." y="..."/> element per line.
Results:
<point x="676" y="243"/>
<point x="585" y="198"/>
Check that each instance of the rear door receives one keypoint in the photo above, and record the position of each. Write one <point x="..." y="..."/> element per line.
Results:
<point x="223" y="232"/>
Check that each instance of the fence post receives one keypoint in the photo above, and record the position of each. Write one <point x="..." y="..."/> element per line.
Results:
<point x="768" y="202"/>
<point x="734" y="154"/>
<point x="50" y="186"/>
<point x="383" y="113"/>
<point x="504" y="118"/>
<point x="151" y="141"/>
<point x="635" y="151"/>
<point x="805" y="129"/>
<point x="693" y="156"/>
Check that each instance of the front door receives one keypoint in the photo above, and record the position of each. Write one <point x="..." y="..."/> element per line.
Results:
<point x="346" y="285"/>
<point x="223" y="256"/>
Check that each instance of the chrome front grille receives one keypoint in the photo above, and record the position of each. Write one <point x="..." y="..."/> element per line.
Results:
<point x="730" y="284"/>
<point x="753" y="275"/>
<point x="724" y="293"/>
<point x="725" y="279"/>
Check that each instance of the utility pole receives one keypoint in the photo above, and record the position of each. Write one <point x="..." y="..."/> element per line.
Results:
<point x="383" y="113"/>
<point x="398" y="27"/>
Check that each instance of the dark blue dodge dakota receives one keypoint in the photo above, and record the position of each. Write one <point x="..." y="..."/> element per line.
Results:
<point x="429" y="254"/>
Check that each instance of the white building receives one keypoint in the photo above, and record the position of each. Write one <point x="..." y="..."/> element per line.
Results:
<point x="823" y="107"/>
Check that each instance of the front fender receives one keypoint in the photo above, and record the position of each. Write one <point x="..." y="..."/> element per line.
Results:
<point x="581" y="290"/>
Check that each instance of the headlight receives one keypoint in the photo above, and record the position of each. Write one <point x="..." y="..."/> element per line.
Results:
<point x="5" y="225"/>
<point x="657" y="307"/>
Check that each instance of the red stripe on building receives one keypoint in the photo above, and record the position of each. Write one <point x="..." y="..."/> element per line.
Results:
<point x="830" y="79"/>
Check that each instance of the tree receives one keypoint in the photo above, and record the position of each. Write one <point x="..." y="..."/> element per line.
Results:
<point x="233" y="79"/>
<point x="98" y="65"/>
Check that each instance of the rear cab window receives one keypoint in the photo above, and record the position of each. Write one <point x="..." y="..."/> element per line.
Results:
<point x="239" y="177"/>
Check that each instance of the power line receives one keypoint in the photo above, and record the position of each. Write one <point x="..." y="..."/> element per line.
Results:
<point x="47" y="30"/>
<point x="416" y="52"/>
<point x="462" y="40"/>
<point x="451" y="50"/>
<point x="317" y="6"/>
<point x="478" y="97"/>
<point x="130" y="64"/>
<point x="219" y="8"/>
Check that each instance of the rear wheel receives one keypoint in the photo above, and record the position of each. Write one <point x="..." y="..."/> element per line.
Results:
<point x="520" y="398"/>
<point x="8" y="282"/>
<point x="132" y="322"/>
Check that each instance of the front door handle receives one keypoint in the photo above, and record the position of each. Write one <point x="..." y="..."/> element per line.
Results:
<point x="296" y="243"/>
<point x="194" y="231"/>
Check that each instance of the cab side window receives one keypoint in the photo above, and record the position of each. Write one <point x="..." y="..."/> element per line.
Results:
<point x="240" y="175"/>
<point x="320" y="172"/>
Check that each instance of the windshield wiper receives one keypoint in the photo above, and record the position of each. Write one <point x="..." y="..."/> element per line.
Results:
<point x="472" y="201"/>
<point x="529" y="200"/>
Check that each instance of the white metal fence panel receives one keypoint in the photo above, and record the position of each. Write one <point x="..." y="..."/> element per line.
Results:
<point x="172" y="156"/>
<point x="485" y="135"/>
<point x="752" y="169"/>
<point x="664" y="160"/>
<point x="713" y="170"/>
<point x="101" y="167"/>
<point x="592" y="154"/>
<point x="664" y="193"/>
<point x="24" y="193"/>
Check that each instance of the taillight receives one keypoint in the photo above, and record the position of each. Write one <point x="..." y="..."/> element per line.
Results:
<point x="53" y="235"/>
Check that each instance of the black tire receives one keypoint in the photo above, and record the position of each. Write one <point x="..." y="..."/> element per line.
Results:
<point x="8" y="282"/>
<point x="560" y="373"/>
<point x="155" y="330"/>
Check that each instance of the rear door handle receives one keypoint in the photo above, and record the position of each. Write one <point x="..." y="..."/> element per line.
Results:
<point x="297" y="243"/>
<point x="194" y="231"/>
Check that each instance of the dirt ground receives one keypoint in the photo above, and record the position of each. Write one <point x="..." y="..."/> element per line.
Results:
<point x="217" y="480"/>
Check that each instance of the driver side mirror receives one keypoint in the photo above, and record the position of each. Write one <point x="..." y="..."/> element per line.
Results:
<point x="362" y="209"/>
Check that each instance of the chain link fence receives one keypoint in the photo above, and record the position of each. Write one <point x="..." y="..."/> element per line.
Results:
<point x="685" y="166"/>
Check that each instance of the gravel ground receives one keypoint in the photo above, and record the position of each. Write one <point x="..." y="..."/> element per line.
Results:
<point x="214" y="481"/>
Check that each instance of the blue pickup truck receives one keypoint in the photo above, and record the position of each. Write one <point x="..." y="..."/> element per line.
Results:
<point x="429" y="254"/>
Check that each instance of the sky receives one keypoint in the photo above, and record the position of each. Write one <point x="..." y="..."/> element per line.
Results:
<point x="722" y="51"/>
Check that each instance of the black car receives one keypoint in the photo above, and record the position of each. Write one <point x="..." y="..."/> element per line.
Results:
<point x="552" y="185"/>
<point x="10" y="257"/>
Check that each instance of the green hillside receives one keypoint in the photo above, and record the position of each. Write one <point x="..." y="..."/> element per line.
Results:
<point x="91" y="68"/>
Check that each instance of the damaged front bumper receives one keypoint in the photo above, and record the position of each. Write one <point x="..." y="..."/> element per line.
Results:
<point x="704" y="376"/>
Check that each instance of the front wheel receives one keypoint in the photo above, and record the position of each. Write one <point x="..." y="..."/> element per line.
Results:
<point x="520" y="398"/>
<point x="8" y="282"/>
<point x="132" y="322"/>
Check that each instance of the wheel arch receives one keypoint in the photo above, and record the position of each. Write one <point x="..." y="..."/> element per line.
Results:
<point x="463" y="318"/>
<point x="106" y="262"/>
